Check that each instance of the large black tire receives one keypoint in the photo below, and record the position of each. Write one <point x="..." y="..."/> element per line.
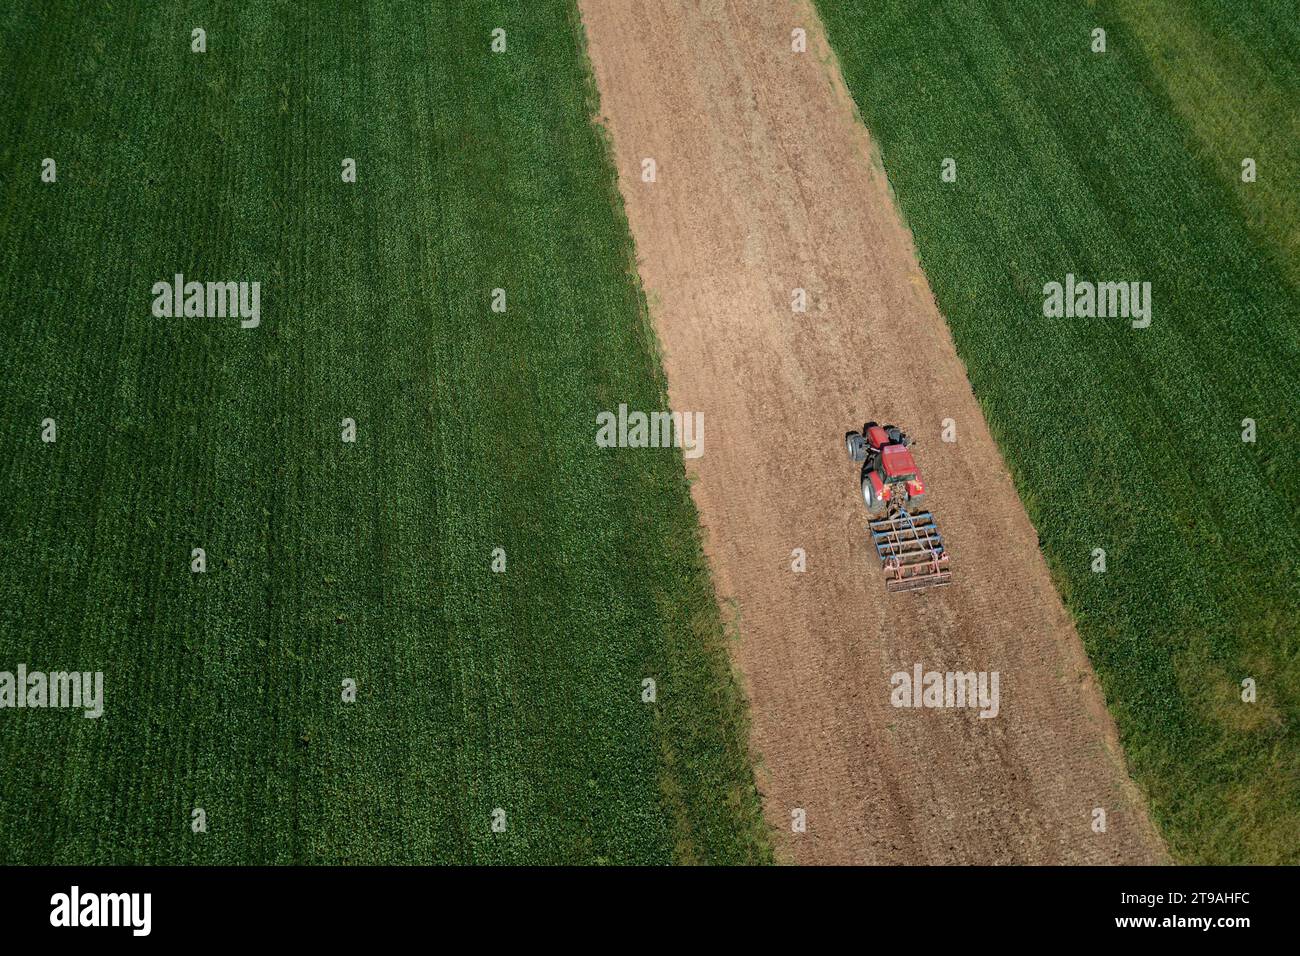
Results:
<point x="857" y="446"/>
<point x="876" y="506"/>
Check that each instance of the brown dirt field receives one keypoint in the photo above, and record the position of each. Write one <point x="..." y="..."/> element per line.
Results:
<point x="767" y="182"/>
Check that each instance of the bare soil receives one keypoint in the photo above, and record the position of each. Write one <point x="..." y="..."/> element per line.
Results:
<point x="767" y="182"/>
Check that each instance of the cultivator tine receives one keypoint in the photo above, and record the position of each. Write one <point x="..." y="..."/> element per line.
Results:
<point x="911" y="550"/>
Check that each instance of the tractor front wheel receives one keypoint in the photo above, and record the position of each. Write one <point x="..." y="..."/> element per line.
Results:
<point x="857" y="446"/>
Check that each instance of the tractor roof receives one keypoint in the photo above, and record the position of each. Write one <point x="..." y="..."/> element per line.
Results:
<point x="897" y="461"/>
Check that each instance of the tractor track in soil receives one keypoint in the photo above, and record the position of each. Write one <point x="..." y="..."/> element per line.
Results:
<point x="767" y="182"/>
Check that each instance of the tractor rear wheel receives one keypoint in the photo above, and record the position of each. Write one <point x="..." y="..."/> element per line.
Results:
<point x="876" y="506"/>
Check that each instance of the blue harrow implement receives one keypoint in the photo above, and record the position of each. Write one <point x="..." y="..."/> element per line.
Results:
<point x="911" y="550"/>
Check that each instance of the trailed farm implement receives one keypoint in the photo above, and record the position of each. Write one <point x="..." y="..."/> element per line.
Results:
<point x="904" y="535"/>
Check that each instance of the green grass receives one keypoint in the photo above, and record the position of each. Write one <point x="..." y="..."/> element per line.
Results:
<point x="327" y="560"/>
<point x="1125" y="166"/>
<point x="1232" y="72"/>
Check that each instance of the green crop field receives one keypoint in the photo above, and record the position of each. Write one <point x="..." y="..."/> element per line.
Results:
<point x="1126" y="165"/>
<point x="329" y="561"/>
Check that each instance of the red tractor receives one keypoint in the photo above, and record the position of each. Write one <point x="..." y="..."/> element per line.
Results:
<point x="889" y="478"/>
<point x="904" y="535"/>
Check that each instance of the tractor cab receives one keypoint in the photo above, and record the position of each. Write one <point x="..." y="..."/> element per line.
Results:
<point x="897" y="463"/>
